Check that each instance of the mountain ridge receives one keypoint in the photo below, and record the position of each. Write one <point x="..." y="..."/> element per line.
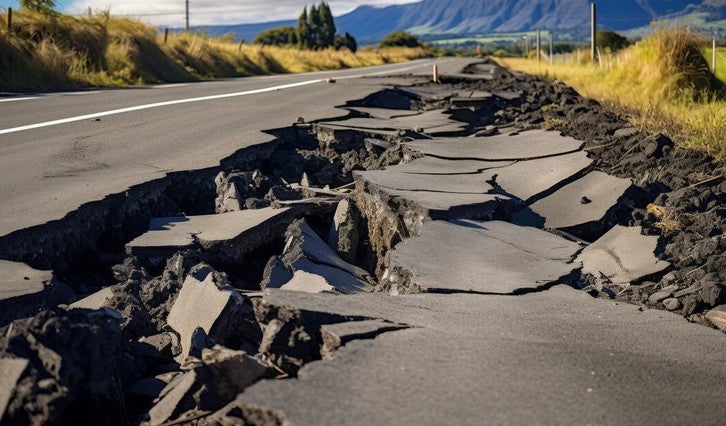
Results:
<point x="369" y="23"/>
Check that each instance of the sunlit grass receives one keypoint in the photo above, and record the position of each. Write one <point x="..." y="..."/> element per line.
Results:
<point x="58" y="51"/>
<point x="663" y="85"/>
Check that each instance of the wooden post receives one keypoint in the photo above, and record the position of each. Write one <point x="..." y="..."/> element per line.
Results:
<point x="552" y="50"/>
<point x="10" y="19"/>
<point x="713" y="57"/>
<point x="166" y="34"/>
<point x="539" y="45"/>
<point x="593" y="30"/>
<point x="436" y="73"/>
<point x="187" y="14"/>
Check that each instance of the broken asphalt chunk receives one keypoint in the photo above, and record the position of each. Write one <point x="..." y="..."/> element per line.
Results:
<point x="206" y="301"/>
<point x="580" y="207"/>
<point x="24" y="290"/>
<point x="483" y="257"/>
<point x="231" y="234"/>
<point x="309" y="264"/>
<point x="623" y="255"/>
<point x="526" y="145"/>
<point x="11" y="369"/>
<point x="337" y="335"/>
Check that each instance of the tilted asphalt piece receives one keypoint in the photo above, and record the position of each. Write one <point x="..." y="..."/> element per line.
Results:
<point x="308" y="264"/>
<point x="524" y="145"/>
<point x="584" y="201"/>
<point x="622" y="255"/>
<point x="485" y="257"/>
<point x="24" y="290"/>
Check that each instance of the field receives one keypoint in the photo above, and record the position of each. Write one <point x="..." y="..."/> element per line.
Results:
<point x="663" y="84"/>
<point x="54" y="51"/>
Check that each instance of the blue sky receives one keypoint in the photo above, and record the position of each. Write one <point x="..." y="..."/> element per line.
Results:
<point x="206" y="12"/>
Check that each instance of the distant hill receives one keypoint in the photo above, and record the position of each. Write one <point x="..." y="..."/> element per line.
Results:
<point x="370" y="24"/>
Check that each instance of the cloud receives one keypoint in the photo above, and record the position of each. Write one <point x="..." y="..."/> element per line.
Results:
<point x="209" y="12"/>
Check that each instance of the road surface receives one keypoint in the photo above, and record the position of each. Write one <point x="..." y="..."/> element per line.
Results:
<point x="58" y="151"/>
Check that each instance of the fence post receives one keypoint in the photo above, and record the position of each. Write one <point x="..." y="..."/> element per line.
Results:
<point x="593" y="30"/>
<point x="436" y="73"/>
<point x="539" y="45"/>
<point x="713" y="57"/>
<point x="10" y="19"/>
<point x="166" y="34"/>
<point x="552" y="51"/>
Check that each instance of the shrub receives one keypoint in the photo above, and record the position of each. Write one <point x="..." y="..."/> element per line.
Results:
<point x="611" y="41"/>
<point x="400" y="39"/>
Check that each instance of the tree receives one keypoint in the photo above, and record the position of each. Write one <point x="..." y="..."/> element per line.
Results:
<point x="346" y="41"/>
<point x="315" y="25"/>
<point x="303" y="30"/>
<point x="316" y="30"/>
<point x="400" y="38"/>
<point x="44" y="6"/>
<point x="279" y="36"/>
<point x="326" y="37"/>
<point x="610" y="40"/>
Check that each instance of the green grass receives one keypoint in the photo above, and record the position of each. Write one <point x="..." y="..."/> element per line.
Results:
<point x="663" y="84"/>
<point x="47" y="52"/>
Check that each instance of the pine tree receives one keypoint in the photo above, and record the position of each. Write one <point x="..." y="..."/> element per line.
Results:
<point x="327" y="26"/>
<point x="315" y="27"/>
<point x="303" y="30"/>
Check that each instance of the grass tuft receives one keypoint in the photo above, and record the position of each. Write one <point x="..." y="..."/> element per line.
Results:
<point x="664" y="84"/>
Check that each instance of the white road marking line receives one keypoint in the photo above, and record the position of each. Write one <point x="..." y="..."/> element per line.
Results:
<point x="19" y="99"/>
<point x="155" y="105"/>
<point x="169" y="86"/>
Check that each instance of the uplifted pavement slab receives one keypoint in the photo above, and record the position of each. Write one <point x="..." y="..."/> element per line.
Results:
<point x="582" y="202"/>
<point x="172" y="234"/>
<point x="485" y="257"/>
<point x="19" y="279"/>
<point x="482" y="359"/>
<point x="383" y="113"/>
<point x="391" y="178"/>
<point x="623" y="255"/>
<point x="432" y="122"/>
<point x="10" y="370"/>
<point x="208" y="303"/>
<point x="96" y="300"/>
<point x="526" y="145"/>
<point x="24" y="290"/>
<point x="438" y="195"/>
<point x="522" y="179"/>
<point x="432" y="92"/>
<point x="339" y="334"/>
<point x="308" y="264"/>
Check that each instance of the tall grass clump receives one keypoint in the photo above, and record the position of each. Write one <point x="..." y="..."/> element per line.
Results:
<point x="663" y="83"/>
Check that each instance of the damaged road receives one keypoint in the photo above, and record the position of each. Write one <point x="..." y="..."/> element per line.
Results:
<point x="417" y="257"/>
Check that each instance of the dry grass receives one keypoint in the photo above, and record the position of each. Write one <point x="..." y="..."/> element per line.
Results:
<point x="58" y="51"/>
<point x="663" y="84"/>
<point x="667" y="220"/>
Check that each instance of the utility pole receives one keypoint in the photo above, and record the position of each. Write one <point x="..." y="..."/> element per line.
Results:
<point x="187" y="14"/>
<point x="713" y="57"/>
<point x="593" y="30"/>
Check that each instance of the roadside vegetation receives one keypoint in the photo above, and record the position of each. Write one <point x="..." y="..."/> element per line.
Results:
<point x="46" y="50"/>
<point x="663" y="83"/>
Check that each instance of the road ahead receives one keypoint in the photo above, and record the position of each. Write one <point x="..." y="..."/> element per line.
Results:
<point x="58" y="151"/>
